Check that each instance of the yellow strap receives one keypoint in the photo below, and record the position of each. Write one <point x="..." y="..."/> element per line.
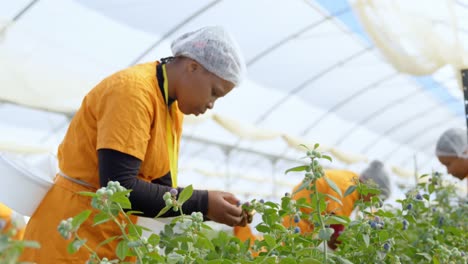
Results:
<point x="171" y="138"/>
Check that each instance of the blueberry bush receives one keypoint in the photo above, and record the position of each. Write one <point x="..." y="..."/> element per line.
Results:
<point x="429" y="227"/>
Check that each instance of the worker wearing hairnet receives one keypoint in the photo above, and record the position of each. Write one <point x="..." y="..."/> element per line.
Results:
<point x="127" y="130"/>
<point x="452" y="152"/>
<point x="374" y="174"/>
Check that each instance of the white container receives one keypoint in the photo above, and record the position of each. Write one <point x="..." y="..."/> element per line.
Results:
<point x="21" y="187"/>
<point x="155" y="225"/>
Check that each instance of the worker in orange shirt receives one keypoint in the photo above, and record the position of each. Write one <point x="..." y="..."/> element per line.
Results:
<point x="343" y="179"/>
<point x="127" y="131"/>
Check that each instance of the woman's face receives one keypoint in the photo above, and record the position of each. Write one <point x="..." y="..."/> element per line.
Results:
<point x="458" y="167"/>
<point x="199" y="89"/>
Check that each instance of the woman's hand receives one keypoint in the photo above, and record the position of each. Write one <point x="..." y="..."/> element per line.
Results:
<point x="222" y="208"/>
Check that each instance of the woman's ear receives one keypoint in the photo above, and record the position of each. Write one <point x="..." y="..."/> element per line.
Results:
<point x="193" y="66"/>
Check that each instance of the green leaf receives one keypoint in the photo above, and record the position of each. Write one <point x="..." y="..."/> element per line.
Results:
<point x="333" y="186"/>
<point x="326" y="233"/>
<point x="205" y="226"/>
<point x="342" y="260"/>
<point x="279" y="227"/>
<point x="91" y="194"/>
<point x="135" y="230"/>
<point x="288" y="260"/>
<point x="298" y="168"/>
<point x="316" y="145"/>
<point x="431" y="188"/>
<point x="350" y="190"/>
<point x="383" y="235"/>
<point x="383" y="213"/>
<point x="80" y="218"/>
<point x="310" y="261"/>
<point x="133" y="212"/>
<point x="262" y="228"/>
<point x="304" y="185"/>
<point x="426" y="196"/>
<point x="332" y="219"/>
<point x="75" y="245"/>
<point x="215" y="261"/>
<point x="121" y="199"/>
<point x="327" y="157"/>
<point x="334" y="199"/>
<point x="365" y="237"/>
<point x="110" y="239"/>
<point x="153" y="239"/>
<point x="425" y="255"/>
<point x="205" y="243"/>
<point x="270" y="240"/>
<point x="423" y="176"/>
<point x="122" y="249"/>
<point x="304" y="146"/>
<point x="435" y="260"/>
<point x="100" y="218"/>
<point x="185" y="194"/>
<point x="164" y="210"/>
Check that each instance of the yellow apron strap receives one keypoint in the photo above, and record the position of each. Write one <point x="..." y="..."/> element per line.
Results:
<point x="171" y="138"/>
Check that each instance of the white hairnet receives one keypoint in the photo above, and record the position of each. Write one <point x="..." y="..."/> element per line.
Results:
<point x="452" y="143"/>
<point x="213" y="48"/>
<point x="376" y="174"/>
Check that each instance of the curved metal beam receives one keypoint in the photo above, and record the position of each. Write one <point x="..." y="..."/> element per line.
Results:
<point x="348" y="99"/>
<point x="294" y="35"/>
<point x="376" y="114"/>
<point x="24" y="10"/>
<point x="174" y="29"/>
<point x="428" y="144"/>
<point x="307" y="82"/>
<point x="414" y="136"/>
<point x="402" y="124"/>
<point x="461" y="4"/>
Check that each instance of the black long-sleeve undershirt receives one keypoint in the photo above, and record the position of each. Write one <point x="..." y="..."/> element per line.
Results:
<point x="145" y="197"/>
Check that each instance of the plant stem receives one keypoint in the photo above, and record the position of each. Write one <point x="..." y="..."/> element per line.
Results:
<point x="271" y="250"/>
<point x="322" y="225"/>
<point x="86" y="246"/>
<point x="122" y="229"/>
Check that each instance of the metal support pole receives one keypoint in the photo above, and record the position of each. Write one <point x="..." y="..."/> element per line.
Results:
<point x="464" y="77"/>
<point x="227" y="181"/>
<point x="274" y="189"/>
<point x="415" y="162"/>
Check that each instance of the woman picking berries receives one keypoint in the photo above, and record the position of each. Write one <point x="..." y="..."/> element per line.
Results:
<point x="127" y="130"/>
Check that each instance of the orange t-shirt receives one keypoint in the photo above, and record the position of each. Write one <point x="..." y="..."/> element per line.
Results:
<point x="125" y="112"/>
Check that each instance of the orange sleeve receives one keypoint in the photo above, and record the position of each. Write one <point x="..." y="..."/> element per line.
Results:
<point x="244" y="233"/>
<point x="125" y="115"/>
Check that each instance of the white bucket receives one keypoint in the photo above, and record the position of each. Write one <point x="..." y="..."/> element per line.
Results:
<point x="22" y="187"/>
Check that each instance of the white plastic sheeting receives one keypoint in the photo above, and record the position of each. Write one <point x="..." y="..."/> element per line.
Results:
<point x="417" y="37"/>
<point x="312" y="76"/>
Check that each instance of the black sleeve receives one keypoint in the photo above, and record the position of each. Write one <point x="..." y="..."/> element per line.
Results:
<point x="146" y="197"/>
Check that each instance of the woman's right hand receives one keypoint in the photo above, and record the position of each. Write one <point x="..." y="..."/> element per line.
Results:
<point x="222" y="208"/>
